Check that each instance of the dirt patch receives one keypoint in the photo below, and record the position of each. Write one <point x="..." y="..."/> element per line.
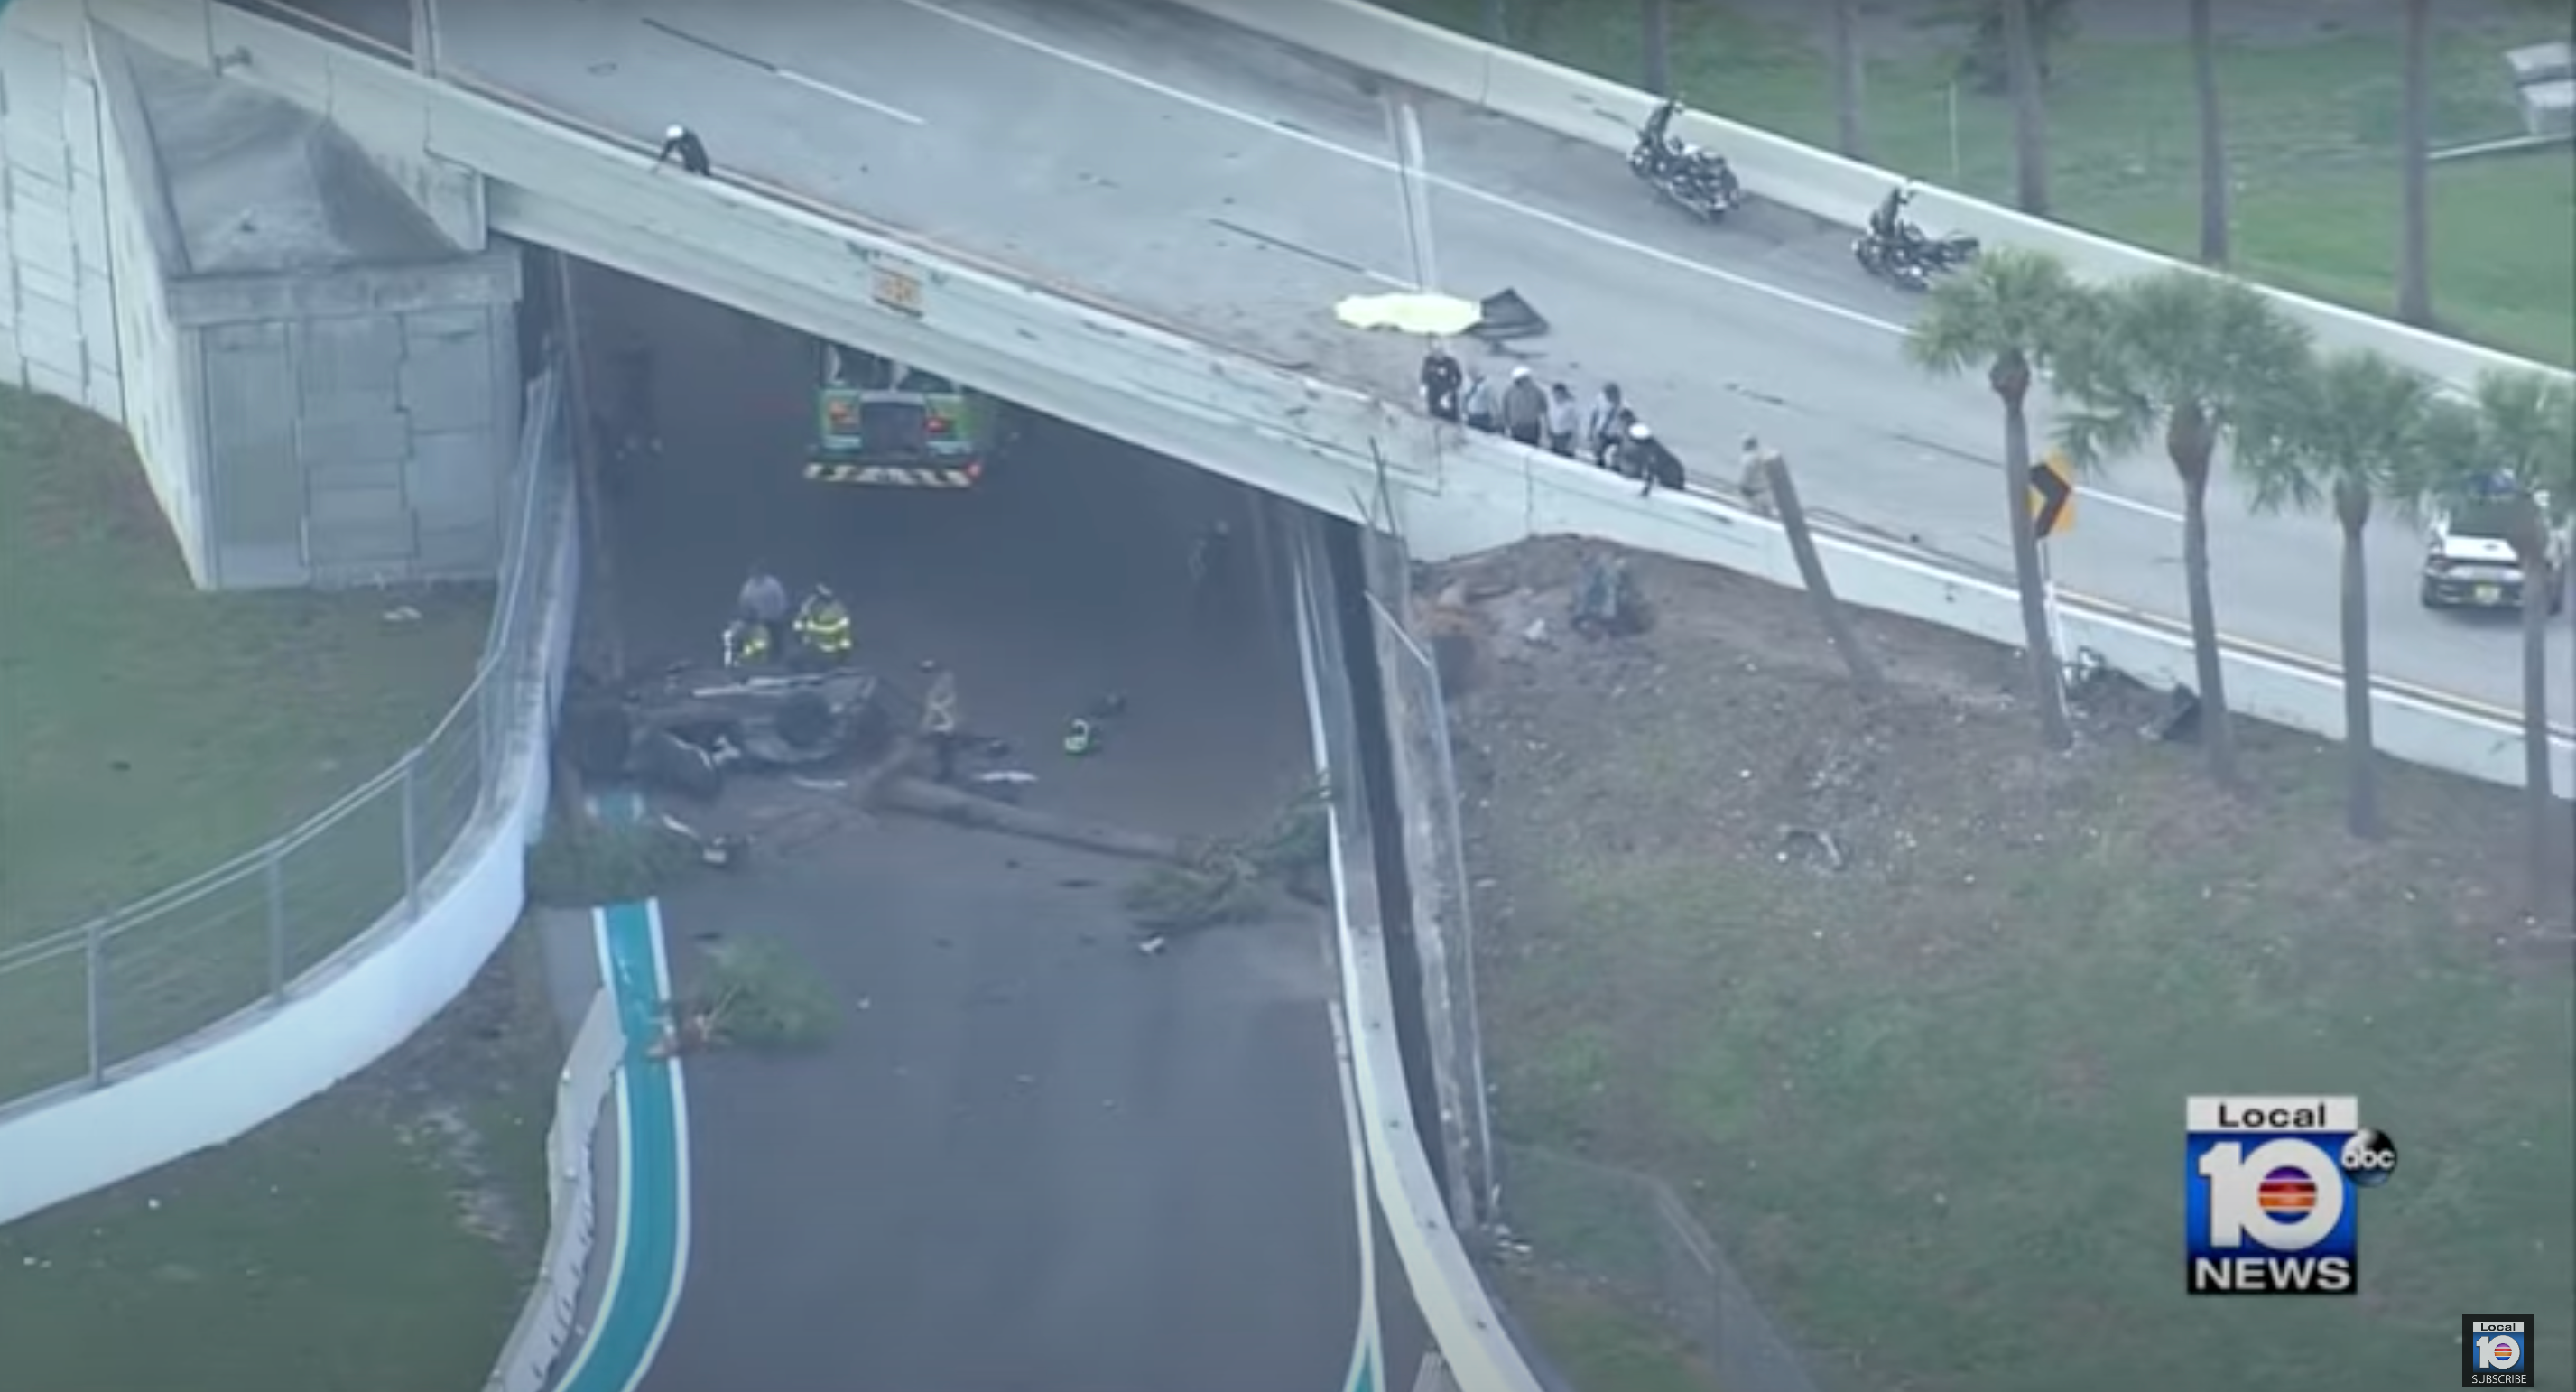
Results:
<point x="1859" y="981"/>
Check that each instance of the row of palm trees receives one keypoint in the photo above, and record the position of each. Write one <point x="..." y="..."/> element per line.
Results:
<point x="2209" y="370"/>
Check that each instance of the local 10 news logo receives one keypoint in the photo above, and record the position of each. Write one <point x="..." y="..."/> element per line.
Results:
<point x="2271" y="1189"/>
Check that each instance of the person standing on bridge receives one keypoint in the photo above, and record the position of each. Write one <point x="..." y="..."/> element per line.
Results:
<point x="1483" y="405"/>
<point x="1564" y="420"/>
<point x="1525" y="409"/>
<point x="683" y="142"/>
<point x="1753" y="478"/>
<point x="1605" y="423"/>
<point x="1441" y="379"/>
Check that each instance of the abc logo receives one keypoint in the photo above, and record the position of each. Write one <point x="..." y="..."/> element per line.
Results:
<point x="2286" y="1195"/>
<point x="2369" y="1158"/>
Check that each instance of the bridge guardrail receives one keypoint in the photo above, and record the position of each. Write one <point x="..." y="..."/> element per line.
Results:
<point x="1595" y="111"/>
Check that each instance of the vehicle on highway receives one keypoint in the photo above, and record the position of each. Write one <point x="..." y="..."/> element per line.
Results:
<point x="687" y="728"/>
<point x="1899" y="252"/>
<point x="883" y="423"/>
<point x="1692" y="178"/>
<point x="2469" y="560"/>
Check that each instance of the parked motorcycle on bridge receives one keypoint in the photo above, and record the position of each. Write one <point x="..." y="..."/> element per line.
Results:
<point x="1698" y="181"/>
<point x="1900" y="253"/>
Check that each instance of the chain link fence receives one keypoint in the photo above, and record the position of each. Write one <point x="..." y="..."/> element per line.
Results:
<point x="79" y="1005"/>
<point x="1628" y="1238"/>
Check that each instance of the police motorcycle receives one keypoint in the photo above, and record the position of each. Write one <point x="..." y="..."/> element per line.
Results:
<point x="1696" y="180"/>
<point x="1896" y="251"/>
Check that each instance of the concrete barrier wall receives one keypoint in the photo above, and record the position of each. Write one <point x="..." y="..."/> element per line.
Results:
<point x="1581" y="107"/>
<point x="590" y="1070"/>
<point x="1447" y="1291"/>
<point x="346" y="1013"/>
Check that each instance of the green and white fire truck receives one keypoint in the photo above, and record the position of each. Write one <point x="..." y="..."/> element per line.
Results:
<point x="887" y="424"/>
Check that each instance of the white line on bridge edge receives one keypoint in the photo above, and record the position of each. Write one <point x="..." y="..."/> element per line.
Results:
<point x="892" y="113"/>
<point x="1563" y="224"/>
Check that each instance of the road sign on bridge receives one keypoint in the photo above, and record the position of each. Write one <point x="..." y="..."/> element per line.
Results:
<point x="2052" y="495"/>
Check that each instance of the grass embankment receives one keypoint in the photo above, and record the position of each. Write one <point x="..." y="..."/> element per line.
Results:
<point x="1931" y="1103"/>
<point x="149" y="732"/>
<point x="2312" y="122"/>
<point x="376" y="1239"/>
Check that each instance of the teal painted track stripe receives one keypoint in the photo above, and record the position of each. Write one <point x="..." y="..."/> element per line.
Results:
<point x="650" y="1258"/>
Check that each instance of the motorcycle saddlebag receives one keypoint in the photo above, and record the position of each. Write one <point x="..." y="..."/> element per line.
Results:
<point x="1506" y="315"/>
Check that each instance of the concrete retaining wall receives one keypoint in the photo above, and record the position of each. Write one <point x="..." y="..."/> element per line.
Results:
<point x="58" y="330"/>
<point x="1581" y="107"/>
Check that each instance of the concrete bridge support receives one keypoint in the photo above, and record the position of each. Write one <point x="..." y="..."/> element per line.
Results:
<point x="315" y="353"/>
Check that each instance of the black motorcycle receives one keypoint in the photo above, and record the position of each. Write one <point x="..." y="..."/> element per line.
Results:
<point x="1908" y="259"/>
<point x="1697" y="181"/>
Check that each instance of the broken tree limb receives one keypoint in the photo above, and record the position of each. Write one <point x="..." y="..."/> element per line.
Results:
<point x="923" y="798"/>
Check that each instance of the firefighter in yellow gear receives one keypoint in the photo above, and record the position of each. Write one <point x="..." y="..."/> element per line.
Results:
<point x="746" y="643"/>
<point x="823" y="626"/>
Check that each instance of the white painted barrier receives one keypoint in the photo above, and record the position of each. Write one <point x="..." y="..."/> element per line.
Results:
<point x="1446" y="1290"/>
<point x="1594" y="111"/>
<point x="545" y="1324"/>
<point x="345" y="1014"/>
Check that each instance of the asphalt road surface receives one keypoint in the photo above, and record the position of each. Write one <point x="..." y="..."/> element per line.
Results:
<point x="1033" y="1157"/>
<point x="1213" y="179"/>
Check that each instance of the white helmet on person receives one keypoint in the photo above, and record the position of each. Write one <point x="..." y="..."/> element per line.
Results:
<point x="1641" y="431"/>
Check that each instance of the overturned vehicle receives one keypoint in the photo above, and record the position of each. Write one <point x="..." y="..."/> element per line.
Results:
<point x="688" y="728"/>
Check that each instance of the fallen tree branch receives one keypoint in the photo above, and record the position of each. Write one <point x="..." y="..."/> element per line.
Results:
<point x="924" y="798"/>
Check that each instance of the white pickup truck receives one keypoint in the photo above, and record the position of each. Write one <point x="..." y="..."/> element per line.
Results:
<point x="2469" y="562"/>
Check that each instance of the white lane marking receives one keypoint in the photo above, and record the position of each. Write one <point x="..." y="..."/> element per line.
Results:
<point x="1494" y="200"/>
<point x="1367" y="1343"/>
<point x="814" y="84"/>
<point x="2131" y="505"/>
<point x="681" y="1183"/>
<point x="785" y="74"/>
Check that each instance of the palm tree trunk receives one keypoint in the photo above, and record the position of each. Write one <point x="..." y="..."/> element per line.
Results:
<point x="2030" y="108"/>
<point x="1850" y="136"/>
<point x="2360" y="743"/>
<point x="1866" y="677"/>
<point x="2213" y="136"/>
<point x="2539" y="799"/>
<point x="2415" y="253"/>
<point x="2047" y="686"/>
<point x="1656" y="24"/>
<point x="2216" y="736"/>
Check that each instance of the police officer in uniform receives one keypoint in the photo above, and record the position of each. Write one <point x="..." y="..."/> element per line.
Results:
<point x="681" y="142"/>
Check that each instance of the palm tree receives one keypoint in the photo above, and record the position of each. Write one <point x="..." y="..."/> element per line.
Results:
<point x="2008" y="314"/>
<point x="2213" y="136"/>
<point x="2186" y="356"/>
<point x="1783" y="489"/>
<point x="2415" y="249"/>
<point x="1656" y="25"/>
<point x="2515" y="444"/>
<point x="2030" y="107"/>
<point x="2357" y="428"/>
<point x="1849" y="136"/>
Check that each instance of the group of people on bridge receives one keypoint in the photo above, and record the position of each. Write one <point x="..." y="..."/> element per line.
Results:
<point x="1609" y="433"/>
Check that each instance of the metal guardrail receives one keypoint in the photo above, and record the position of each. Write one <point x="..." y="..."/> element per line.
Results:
<point x="79" y="1005"/>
